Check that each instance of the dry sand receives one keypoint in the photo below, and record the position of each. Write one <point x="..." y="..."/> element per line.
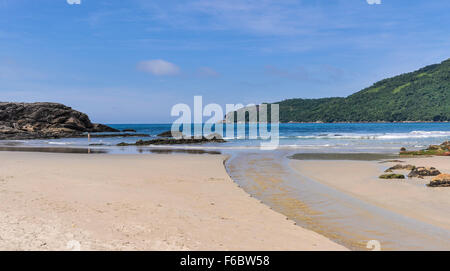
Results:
<point x="136" y="202"/>
<point x="410" y="197"/>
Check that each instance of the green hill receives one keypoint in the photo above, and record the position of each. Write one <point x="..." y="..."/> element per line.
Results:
<point x="423" y="95"/>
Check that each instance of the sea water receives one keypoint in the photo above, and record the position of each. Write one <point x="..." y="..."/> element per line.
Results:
<point x="306" y="137"/>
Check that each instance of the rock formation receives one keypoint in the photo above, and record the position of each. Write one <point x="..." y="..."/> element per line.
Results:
<point x="442" y="180"/>
<point x="392" y="176"/>
<point x="44" y="120"/>
<point x="171" y="141"/>
<point x="171" y="134"/>
<point x="400" y="167"/>
<point x="424" y="171"/>
<point x="442" y="150"/>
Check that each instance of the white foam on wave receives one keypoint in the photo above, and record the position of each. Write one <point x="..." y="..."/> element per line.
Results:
<point x="60" y="143"/>
<point x="416" y="134"/>
<point x="410" y="135"/>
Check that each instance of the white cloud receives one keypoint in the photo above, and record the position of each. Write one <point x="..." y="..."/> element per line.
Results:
<point x="76" y="2"/>
<point x="158" y="67"/>
<point x="372" y="2"/>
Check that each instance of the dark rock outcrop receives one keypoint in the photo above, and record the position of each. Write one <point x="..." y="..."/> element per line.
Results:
<point x="442" y="180"/>
<point x="423" y="172"/>
<point x="169" y="141"/>
<point x="170" y="134"/>
<point x="400" y="167"/>
<point x="44" y="120"/>
<point x="441" y="150"/>
<point x="392" y="176"/>
<point x="178" y="135"/>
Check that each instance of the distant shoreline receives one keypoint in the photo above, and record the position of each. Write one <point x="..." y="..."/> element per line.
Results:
<point x="359" y="122"/>
<point x="339" y="122"/>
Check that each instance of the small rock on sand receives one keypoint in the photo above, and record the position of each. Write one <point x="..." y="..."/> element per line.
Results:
<point x="442" y="180"/>
<point x="424" y="171"/>
<point x="392" y="176"/>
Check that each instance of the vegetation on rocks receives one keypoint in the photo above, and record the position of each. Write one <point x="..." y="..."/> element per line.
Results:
<point x="441" y="150"/>
<point x="392" y="176"/>
<point x="442" y="180"/>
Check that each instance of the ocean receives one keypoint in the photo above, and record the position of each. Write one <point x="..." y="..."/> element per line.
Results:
<point x="304" y="137"/>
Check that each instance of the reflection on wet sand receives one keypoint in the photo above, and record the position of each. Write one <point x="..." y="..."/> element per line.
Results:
<point x="54" y="150"/>
<point x="187" y="151"/>
<point x="17" y="147"/>
<point x="332" y="213"/>
<point x="343" y="156"/>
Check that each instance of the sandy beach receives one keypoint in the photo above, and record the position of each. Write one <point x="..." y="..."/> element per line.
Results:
<point x="409" y="197"/>
<point x="53" y="201"/>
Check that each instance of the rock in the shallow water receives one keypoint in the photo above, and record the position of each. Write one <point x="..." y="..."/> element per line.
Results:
<point x="171" y="134"/>
<point x="171" y="141"/>
<point x="101" y="128"/>
<point x="400" y="167"/>
<point x="214" y="136"/>
<point x="446" y="144"/>
<point x="129" y="130"/>
<point x="443" y="150"/>
<point x="392" y="176"/>
<point x="442" y="180"/>
<point x="44" y="120"/>
<point x="423" y="171"/>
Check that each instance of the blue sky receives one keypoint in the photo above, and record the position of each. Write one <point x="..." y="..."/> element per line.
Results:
<point x="131" y="61"/>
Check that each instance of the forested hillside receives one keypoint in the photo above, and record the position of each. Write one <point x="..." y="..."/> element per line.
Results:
<point x="423" y="95"/>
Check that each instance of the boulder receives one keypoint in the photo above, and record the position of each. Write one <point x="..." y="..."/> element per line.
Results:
<point x="171" y="134"/>
<point x="423" y="172"/>
<point x="214" y="136"/>
<point x="442" y="180"/>
<point x="44" y="120"/>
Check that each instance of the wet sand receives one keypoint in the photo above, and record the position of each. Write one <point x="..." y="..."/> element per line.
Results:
<point x="55" y="201"/>
<point x="345" y="201"/>
<point x="410" y="197"/>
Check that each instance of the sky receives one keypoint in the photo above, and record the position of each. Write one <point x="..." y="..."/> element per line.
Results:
<point x="131" y="61"/>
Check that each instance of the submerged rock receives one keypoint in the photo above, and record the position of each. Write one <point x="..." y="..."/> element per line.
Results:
<point x="442" y="180"/>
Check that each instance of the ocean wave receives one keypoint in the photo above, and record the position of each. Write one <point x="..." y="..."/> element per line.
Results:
<point x="60" y="143"/>
<point x="382" y="136"/>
